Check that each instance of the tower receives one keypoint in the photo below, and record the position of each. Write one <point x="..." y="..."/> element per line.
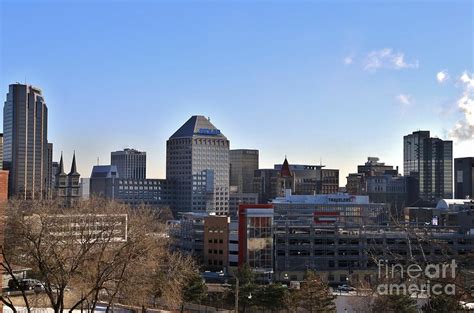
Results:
<point x="67" y="185"/>
<point x="430" y="161"/>
<point x="73" y="183"/>
<point x="25" y="146"/>
<point x="197" y="161"/>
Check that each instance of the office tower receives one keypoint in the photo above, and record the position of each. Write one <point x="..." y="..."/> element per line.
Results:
<point x="25" y="147"/>
<point x="102" y="181"/>
<point x="49" y="177"/>
<point x="464" y="178"/>
<point x="382" y="184"/>
<point x="197" y="161"/>
<point x="243" y="163"/>
<point x="430" y="161"/>
<point x="1" y="151"/>
<point x="375" y="168"/>
<point x="130" y="163"/>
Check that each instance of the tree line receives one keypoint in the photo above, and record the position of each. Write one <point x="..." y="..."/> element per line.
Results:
<point x="96" y="252"/>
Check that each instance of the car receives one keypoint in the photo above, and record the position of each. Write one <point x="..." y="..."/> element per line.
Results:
<point x="345" y="288"/>
<point x="24" y="284"/>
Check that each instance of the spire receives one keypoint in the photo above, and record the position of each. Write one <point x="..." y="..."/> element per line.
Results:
<point x="61" y="166"/>
<point x="285" y="169"/>
<point x="73" y="165"/>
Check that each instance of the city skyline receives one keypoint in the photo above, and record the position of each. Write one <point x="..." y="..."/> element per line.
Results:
<point x="337" y="94"/>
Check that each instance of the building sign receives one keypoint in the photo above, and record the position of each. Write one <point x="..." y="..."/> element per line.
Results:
<point x="325" y="217"/>
<point x="208" y="131"/>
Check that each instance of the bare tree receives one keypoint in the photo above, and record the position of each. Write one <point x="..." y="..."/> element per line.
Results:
<point x="95" y="251"/>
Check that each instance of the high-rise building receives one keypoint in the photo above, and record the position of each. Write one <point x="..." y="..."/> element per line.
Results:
<point x="25" y="148"/>
<point x="430" y="161"/>
<point x="197" y="161"/>
<point x="49" y="178"/>
<point x="464" y="178"/>
<point x="130" y="163"/>
<point x="243" y="163"/>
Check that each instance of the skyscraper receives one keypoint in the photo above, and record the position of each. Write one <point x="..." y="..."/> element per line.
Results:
<point x="243" y="163"/>
<point x="430" y="161"/>
<point x="130" y="163"/>
<point x="197" y="161"/>
<point x="25" y="126"/>
<point x="464" y="178"/>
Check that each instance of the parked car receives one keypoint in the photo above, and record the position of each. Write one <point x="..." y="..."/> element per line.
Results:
<point x="24" y="284"/>
<point x="345" y="288"/>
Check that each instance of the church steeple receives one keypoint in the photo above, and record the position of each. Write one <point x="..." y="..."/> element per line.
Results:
<point x="73" y="166"/>
<point x="61" y="166"/>
<point x="285" y="169"/>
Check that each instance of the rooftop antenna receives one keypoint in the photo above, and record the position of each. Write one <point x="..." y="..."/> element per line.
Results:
<point x="97" y="160"/>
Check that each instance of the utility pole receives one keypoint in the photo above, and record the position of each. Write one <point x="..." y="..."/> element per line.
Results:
<point x="236" y="294"/>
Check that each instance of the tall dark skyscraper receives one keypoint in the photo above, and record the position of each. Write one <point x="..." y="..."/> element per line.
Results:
<point x="197" y="161"/>
<point x="130" y="163"/>
<point x="430" y="161"/>
<point x="26" y="149"/>
<point x="243" y="163"/>
<point x="464" y="178"/>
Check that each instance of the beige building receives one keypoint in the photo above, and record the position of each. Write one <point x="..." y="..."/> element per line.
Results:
<point x="216" y="242"/>
<point x="197" y="162"/>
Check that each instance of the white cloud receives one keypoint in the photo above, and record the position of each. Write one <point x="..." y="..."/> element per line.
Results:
<point x="464" y="128"/>
<point x="404" y="99"/>
<point x="348" y="60"/>
<point x="467" y="79"/>
<point x="442" y="76"/>
<point x="387" y="59"/>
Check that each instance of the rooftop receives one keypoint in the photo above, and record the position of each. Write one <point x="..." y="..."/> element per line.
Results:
<point x="197" y="125"/>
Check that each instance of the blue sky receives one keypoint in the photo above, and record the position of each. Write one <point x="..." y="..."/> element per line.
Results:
<point x="331" y="80"/>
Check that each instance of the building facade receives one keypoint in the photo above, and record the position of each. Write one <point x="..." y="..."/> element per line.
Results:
<point x="430" y="161"/>
<point x="300" y="179"/>
<point x="105" y="182"/>
<point x="197" y="162"/>
<point x="464" y="178"/>
<point x="26" y="154"/>
<point x="216" y="243"/>
<point x="256" y="239"/>
<point x="130" y="163"/>
<point x="243" y="163"/>
<point x="236" y="199"/>
<point x="68" y="185"/>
